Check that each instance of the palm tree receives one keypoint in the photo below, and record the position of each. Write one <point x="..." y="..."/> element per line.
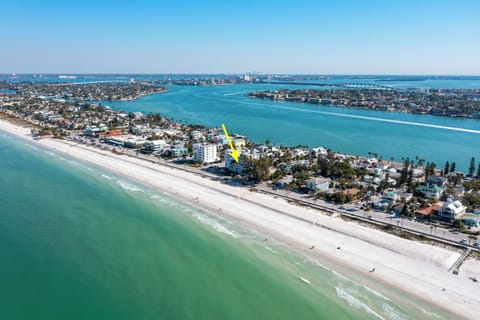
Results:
<point x="472" y="237"/>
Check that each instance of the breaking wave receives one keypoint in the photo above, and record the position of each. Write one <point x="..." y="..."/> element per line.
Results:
<point x="214" y="224"/>
<point x="354" y="302"/>
<point x="129" y="186"/>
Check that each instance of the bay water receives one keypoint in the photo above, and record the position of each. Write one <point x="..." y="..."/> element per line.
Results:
<point x="358" y="132"/>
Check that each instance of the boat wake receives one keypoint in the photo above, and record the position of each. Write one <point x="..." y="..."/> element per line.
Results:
<point x="354" y="116"/>
<point x="232" y="93"/>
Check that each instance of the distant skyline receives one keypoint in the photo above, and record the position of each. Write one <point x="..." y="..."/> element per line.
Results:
<point x="302" y="37"/>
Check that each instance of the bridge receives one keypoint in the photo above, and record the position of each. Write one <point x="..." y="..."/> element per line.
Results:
<point x="340" y="85"/>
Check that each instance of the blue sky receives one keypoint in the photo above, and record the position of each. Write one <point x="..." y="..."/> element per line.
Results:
<point x="326" y="37"/>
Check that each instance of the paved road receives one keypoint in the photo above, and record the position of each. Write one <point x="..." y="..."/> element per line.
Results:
<point x="438" y="232"/>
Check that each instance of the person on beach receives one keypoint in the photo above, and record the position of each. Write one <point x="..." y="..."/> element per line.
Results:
<point x="372" y="270"/>
<point x="312" y="247"/>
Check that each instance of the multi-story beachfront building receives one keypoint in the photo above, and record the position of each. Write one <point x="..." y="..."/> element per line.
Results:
<point x="155" y="146"/>
<point x="204" y="152"/>
<point x="451" y="210"/>
<point x="239" y="167"/>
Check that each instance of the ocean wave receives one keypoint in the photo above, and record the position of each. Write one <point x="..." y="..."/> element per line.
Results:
<point x="342" y="278"/>
<point x="55" y="155"/>
<point x="213" y="223"/>
<point x="31" y="146"/>
<point x="392" y="313"/>
<point x="129" y="186"/>
<point x="375" y="293"/>
<point x="430" y="314"/>
<point x="107" y="177"/>
<point x="159" y="198"/>
<point x="354" y="302"/>
<point x="271" y="250"/>
<point x="75" y="163"/>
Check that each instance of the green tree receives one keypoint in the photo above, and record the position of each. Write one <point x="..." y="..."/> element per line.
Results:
<point x="258" y="170"/>
<point x="404" y="174"/>
<point x="430" y="169"/>
<point x="458" y="224"/>
<point x="404" y="211"/>
<point x="471" y="169"/>
<point x="447" y="167"/>
<point x="339" y="197"/>
<point x="452" y="167"/>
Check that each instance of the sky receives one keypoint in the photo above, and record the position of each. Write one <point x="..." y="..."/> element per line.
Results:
<point x="202" y="36"/>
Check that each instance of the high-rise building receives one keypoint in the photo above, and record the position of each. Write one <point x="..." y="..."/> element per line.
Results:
<point x="204" y="152"/>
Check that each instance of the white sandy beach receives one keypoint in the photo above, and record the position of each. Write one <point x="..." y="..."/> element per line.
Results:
<point x="418" y="269"/>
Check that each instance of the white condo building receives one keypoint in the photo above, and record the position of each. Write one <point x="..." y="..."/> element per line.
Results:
<point x="204" y="152"/>
<point x="239" y="168"/>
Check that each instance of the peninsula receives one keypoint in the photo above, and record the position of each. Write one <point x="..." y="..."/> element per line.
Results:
<point x="440" y="102"/>
<point x="83" y="91"/>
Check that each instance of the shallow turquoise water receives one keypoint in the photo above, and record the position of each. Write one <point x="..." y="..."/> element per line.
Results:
<point x="78" y="242"/>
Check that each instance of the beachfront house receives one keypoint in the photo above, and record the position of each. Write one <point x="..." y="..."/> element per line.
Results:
<point x="318" y="184"/>
<point x="320" y="152"/>
<point x="430" y="191"/>
<point x="282" y="183"/>
<point x="92" y="131"/>
<point x="451" y="210"/>
<point x="204" y="152"/>
<point x="196" y="135"/>
<point x="238" y="143"/>
<point x="134" y="142"/>
<point x="390" y="195"/>
<point x="437" y="181"/>
<point x="178" y="150"/>
<point x="428" y="212"/>
<point x="155" y="146"/>
<point x="141" y="129"/>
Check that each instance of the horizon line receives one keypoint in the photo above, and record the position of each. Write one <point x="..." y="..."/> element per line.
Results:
<point x="241" y="73"/>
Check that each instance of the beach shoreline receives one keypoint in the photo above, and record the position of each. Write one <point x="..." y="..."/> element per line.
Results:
<point x="417" y="269"/>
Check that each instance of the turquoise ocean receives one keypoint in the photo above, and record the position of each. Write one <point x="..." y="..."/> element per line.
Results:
<point x="78" y="242"/>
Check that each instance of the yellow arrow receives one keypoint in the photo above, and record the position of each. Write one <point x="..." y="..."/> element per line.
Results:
<point x="233" y="153"/>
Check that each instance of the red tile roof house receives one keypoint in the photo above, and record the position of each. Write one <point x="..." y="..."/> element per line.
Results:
<point x="429" y="211"/>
